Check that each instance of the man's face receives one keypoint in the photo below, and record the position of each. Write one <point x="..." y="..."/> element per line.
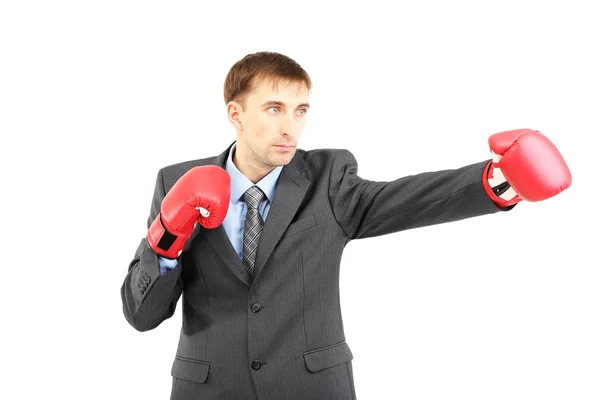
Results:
<point x="274" y="115"/>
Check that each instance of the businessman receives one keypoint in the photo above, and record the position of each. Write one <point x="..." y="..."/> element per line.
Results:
<point x="252" y="239"/>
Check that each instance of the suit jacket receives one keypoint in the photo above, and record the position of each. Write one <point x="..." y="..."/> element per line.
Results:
<point x="280" y="335"/>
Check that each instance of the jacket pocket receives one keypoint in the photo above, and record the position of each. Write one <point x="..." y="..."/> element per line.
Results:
<point x="325" y="357"/>
<point x="191" y="370"/>
<point x="301" y="225"/>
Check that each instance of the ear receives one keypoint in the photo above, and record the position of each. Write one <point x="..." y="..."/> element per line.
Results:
<point x="234" y="111"/>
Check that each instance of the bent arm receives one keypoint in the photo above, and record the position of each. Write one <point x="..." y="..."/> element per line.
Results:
<point x="148" y="296"/>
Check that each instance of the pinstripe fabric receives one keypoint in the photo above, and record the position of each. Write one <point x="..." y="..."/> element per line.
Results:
<point x="279" y="335"/>
<point x="252" y="227"/>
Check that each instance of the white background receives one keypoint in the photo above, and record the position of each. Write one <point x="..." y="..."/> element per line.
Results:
<point x="95" y="97"/>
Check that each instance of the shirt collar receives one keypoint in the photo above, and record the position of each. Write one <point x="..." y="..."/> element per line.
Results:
<point x="240" y="183"/>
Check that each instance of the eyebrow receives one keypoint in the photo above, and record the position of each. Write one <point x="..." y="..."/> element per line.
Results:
<point x="281" y="104"/>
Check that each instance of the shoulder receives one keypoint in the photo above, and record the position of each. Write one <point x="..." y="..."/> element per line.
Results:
<point x="328" y="164"/>
<point x="185" y="166"/>
<point x="325" y="156"/>
<point x="172" y="172"/>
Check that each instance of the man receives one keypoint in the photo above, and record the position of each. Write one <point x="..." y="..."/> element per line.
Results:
<point x="253" y="239"/>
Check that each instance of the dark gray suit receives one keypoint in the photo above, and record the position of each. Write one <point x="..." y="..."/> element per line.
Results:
<point x="281" y="335"/>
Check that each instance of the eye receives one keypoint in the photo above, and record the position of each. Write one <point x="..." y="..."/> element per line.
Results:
<point x="302" y="111"/>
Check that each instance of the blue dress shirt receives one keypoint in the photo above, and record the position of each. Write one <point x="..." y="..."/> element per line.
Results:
<point x="236" y="214"/>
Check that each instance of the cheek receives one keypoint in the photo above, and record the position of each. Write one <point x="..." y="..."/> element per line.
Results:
<point x="265" y="124"/>
<point x="264" y="129"/>
<point x="301" y="124"/>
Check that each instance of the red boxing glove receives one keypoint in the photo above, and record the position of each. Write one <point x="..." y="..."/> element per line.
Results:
<point x="201" y="195"/>
<point x="525" y="166"/>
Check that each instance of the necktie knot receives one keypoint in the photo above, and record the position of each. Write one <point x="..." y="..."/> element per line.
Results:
<point x="253" y="197"/>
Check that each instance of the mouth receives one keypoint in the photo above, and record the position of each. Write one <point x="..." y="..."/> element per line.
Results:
<point x="284" y="146"/>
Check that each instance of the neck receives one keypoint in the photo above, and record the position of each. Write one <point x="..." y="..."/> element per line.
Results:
<point x="251" y="168"/>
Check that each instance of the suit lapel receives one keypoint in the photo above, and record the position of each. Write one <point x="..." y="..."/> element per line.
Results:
<point x="220" y="241"/>
<point x="290" y="189"/>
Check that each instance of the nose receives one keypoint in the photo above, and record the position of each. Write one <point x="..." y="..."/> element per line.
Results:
<point x="288" y="126"/>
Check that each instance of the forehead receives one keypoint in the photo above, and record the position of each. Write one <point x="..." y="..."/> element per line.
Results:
<point x="280" y="89"/>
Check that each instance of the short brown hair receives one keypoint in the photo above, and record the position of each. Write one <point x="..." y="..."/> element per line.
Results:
<point x="253" y="69"/>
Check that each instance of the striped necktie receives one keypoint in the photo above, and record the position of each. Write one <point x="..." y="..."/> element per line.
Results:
<point x="252" y="227"/>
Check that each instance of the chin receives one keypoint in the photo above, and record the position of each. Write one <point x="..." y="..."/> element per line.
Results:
<point x="279" y="160"/>
<point x="280" y="163"/>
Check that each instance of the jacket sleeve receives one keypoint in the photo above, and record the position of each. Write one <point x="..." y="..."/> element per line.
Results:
<point x="365" y="208"/>
<point x="149" y="297"/>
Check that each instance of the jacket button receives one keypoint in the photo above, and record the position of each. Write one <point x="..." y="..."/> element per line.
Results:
<point x="256" y="365"/>
<point x="256" y="307"/>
